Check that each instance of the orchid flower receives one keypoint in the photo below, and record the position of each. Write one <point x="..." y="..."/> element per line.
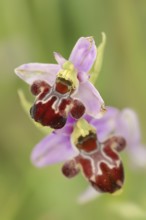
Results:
<point x="79" y="145"/>
<point x="64" y="89"/>
<point x="99" y="162"/>
<point x="92" y="146"/>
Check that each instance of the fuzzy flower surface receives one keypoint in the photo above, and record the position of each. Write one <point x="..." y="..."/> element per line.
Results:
<point x="63" y="89"/>
<point x="93" y="147"/>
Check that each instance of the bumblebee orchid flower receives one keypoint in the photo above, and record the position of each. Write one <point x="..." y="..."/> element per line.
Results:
<point x="99" y="162"/>
<point x="78" y="146"/>
<point x="92" y="146"/>
<point x="64" y="88"/>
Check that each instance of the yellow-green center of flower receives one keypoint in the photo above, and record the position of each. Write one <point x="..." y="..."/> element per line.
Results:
<point x="69" y="73"/>
<point x="82" y="129"/>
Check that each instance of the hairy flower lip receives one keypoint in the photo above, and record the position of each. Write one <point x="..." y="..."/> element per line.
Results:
<point x="99" y="162"/>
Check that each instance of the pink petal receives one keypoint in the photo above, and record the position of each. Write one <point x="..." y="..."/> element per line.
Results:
<point x="68" y="128"/>
<point x="53" y="149"/>
<point x="106" y="125"/>
<point x="137" y="154"/>
<point x="128" y="126"/>
<point x="88" y="195"/>
<point x="37" y="71"/>
<point x="59" y="58"/>
<point x="83" y="54"/>
<point x="91" y="98"/>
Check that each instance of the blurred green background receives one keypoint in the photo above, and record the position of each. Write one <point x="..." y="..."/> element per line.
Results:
<point x="30" y="30"/>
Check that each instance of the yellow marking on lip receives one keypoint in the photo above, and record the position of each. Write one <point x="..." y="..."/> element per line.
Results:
<point x="82" y="128"/>
<point x="69" y="73"/>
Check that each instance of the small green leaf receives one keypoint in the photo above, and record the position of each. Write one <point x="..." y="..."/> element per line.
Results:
<point x="98" y="62"/>
<point x="26" y="105"/>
